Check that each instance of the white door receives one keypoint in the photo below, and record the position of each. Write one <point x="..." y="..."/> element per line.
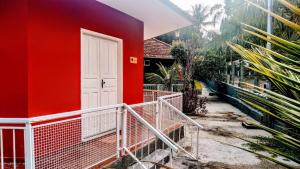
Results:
<point x="98" y="84"/>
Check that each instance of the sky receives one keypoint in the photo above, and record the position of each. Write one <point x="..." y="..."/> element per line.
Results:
<point x="186" y="5"/>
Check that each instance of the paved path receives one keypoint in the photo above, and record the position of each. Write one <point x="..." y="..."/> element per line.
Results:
<point x="222" y="123"/>
<point x="224" y="118"/>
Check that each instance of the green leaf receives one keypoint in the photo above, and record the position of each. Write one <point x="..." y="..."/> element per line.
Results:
<point x="281" y="19"/>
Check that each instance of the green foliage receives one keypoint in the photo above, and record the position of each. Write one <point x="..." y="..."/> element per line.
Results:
<point x="275" y="144"/>
<point x="166" y="76"/>
<point x="202" y="13"/>
<point x="209" y="66"/>
<point x="179" y="52"/>
<point x="281" y="67"/>
<point x="240" y="11"/>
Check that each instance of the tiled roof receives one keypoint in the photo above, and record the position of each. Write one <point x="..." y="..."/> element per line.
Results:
<point x="154" y="48"/>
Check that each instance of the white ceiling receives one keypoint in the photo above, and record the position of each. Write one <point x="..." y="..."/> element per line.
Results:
<point x="158" y="17"/>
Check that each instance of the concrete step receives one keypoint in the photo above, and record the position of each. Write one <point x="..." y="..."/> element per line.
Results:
<point x="158" y="156"/>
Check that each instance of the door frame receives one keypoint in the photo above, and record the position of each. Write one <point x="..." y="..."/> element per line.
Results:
<point x="119" y="60"/>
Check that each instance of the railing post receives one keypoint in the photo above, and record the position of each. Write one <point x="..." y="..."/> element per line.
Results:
<point x="153" y="96"/>
<point x="171" y="158"/>
<point x="124" y="129"/>
<point x="29" y="147"/>
<point x="160" y="112"/>
<point x="157" y="119"/>
<point x="118" y="132"/>
<point x="197" y="143"/>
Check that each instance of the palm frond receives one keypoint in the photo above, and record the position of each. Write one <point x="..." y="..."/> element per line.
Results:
<point x="282" y="68"/>
<point x="291" y="6"/>
<point x="166" y="76"/>
<point x="154" y="78"/>
<point x="279" y="18"/>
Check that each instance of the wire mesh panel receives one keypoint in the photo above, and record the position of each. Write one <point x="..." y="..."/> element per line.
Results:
<point x="152" y="95"/>
<point x="147" y="111"/>
<point x="161" y="115"/>
<point x="92" y="137"/>
<point x="141" y="141"/>
<point x="172" y="117"/>
<point x="175" y="100"/>
<point x="77" y="142"/>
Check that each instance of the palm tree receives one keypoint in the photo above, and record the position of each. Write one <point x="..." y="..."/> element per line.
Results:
<point x="192" y="36"/>
<point x="282" y="68"/>
<point x="203" y="14"/>
<point x="166" y="76"/>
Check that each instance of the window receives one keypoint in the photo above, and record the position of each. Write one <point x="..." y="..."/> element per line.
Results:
<point x="146" y="62"/>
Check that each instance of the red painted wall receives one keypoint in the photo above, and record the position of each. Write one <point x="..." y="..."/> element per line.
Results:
<point x="40" y="53"/>
<point x="54" y="51"/>
<point x="13" y="53"/>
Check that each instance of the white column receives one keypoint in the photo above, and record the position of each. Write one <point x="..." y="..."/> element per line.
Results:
<point x="124" y="129"/>
<point x="269" y="21"/>
<point x="29" y="147"/>
<point x="118" y="132"/>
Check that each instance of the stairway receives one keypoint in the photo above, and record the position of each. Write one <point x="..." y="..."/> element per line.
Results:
<point x="159" y="156"/>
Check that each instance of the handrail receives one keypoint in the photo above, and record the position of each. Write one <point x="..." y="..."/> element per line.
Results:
<point x="29" y="122"/>
<point x="171" y="95"/>
<point x="142" y="104"/>
<point x="14" y="120"/>
<point x="56" y="116"/>
<point x="180" y="113"/>
<point x="151" y="128"/>
<point x="134" y="157"/>
<point x="73" y="113"/>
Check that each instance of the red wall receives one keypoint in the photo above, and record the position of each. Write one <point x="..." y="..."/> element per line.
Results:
<point x="54" y="51"/>
<point x="13" y="53"/>
<point x="40" y="53"/>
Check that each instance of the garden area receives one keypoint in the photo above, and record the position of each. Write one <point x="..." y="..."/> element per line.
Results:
<point x="242" y="83"/>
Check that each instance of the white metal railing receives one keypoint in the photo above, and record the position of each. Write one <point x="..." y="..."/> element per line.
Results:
<point x="78" y="139"/>
<point x="170" y="109"/>
<point x="174" y="87"/>
<point x="170" y="118"/>
<point x="152" y="95"/>
<point x="81" y="139"/>
<point x="86" y="138"/>
<point x="143" y="139"/>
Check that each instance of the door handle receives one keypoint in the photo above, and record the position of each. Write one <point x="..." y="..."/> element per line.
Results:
<point x="102" y="83"/>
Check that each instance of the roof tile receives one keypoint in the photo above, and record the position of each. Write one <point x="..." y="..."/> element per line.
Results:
<point x="154" y="48"/>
